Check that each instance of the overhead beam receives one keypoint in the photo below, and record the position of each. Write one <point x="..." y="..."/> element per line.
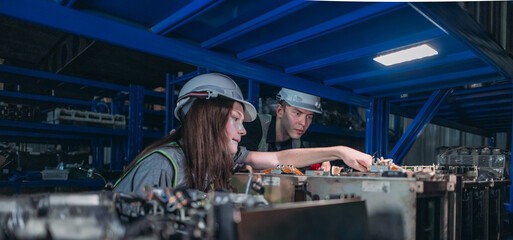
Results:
<point x="452" y="18"/>
<point x="410" y="113"/>
<point x="470" y="92"/>
<point x="61" y="78"/>
<point x="474" y="111"/>
<point x="180" y="16"/>
<point x="457" y="57"/>
<point x="346" y="20"/>
<point x="372" y="49"/>
<point x="432" y="82"/>
<point x="107" y="30"/>
<point x="470" y="97"/>
<point x="257" y="22"/>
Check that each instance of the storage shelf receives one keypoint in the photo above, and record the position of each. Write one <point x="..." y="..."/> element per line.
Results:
<point x="63" y="128"/>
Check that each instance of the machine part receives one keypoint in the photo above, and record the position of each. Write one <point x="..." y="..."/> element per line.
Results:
<point x="61" y="216"/>
<point x="489" y="162"/>
<point x="279" y="188"/>
<point x="340" y="218"/>
<point x="86" y="118"/>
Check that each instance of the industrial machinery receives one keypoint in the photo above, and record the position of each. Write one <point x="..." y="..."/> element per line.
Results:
<point x="176" y="214"/>
<point x="86" y="118"/>
<point x="404" y="202"/>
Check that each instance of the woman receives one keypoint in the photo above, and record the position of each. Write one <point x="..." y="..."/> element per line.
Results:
<point x="202" y="152"/>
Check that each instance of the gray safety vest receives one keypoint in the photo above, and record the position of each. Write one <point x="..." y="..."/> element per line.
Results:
<point x="263" y="146"/>
<point x="174" y="154"/>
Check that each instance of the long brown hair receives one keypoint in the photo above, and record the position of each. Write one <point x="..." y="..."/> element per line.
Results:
<point x="204" y="143"/>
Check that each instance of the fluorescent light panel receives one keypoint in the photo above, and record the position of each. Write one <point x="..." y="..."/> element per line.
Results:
<point x="405" y="55"/>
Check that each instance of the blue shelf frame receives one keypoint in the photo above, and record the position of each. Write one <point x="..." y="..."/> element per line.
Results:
<point x="125" y="144"/>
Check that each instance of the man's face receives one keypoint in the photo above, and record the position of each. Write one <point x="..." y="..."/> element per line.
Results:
<point x="295" y="121"/>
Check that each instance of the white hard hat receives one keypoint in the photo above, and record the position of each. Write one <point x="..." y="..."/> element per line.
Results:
<point x="300" y="100"/>
<point x="211" y="85"/>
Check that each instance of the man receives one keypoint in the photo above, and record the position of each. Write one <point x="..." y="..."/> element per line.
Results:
<point x="294" y="114"/>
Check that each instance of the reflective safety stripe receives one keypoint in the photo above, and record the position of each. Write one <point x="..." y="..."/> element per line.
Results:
<point x="174" y="144"/>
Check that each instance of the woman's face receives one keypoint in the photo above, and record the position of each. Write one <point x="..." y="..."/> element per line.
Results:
<point x="234" y="128"/>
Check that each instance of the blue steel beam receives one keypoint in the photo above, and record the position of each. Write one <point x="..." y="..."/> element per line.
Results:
<point x="475" y="111"/>
<point x="480" y="116"/>
<point x="60" y="77"/>
<point x="457" y="57"/>
<point x="253" y="92"/>
<point x="255" y="23"/>
<point x="170" y="107"/>
<point x="368" y="50"/>
<point x="44" y="98"/>
<point x="425" y="115"/>
<point x="376" y="133"/>
<point x="154" y="93"/>
<point x="107" y="30"/>
<point x="432" y="80"/>
<point x="510" y="206"/>
<point x="135" y="121"/>
<point x="346" y="20"/>
<point x="459" y="92"/>
<point x="181" y="16"/>
<point x="42" y="136"/>
<point x="187" y="76"/>
<point x="452" y="18"/>
<point x="467" y="97"/>
<point x="450" y="83"/>
<point x="62" y="128"/>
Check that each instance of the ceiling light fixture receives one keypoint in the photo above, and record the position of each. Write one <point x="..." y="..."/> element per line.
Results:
<point x="405" y="55"/>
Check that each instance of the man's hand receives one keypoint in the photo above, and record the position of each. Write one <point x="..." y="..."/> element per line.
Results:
<point x="355" y="159"/>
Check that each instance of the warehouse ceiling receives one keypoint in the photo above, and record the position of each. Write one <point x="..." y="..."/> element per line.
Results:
<point x="323" y="48"/>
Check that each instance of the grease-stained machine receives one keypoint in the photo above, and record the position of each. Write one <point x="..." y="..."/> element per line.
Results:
<point x="450" y="200"/>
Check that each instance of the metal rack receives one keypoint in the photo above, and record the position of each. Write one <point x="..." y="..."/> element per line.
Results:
<point x="125" y="142"/>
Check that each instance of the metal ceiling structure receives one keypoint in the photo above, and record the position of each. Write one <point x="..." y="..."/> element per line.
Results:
<point x="319" y="47"/>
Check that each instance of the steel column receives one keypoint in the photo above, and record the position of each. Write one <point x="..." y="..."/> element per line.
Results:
<point x="170" y="106"/>
<point x="427" y="112"/>
<point x="253" y="93"/>
<point x="376" y="135"/>
<point x="509" y="208"/>
<point x="135" y="120"/>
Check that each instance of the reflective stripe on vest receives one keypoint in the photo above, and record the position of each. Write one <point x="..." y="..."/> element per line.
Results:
<point x="265" y="121"/>
<point x="174" y="144"/>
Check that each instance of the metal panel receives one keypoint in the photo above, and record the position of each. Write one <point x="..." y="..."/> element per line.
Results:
<point x="391" y="202"/>
<point x="306" y="220"/>
<point x="421" y="120"/>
